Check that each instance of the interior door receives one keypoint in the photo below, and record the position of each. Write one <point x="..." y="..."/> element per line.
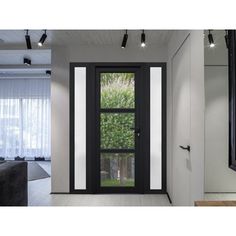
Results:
<point x="181" y="125"/>
<point x="118" y="130"/>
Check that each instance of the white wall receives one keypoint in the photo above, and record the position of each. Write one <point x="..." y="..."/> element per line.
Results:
<point x="197" y="111"/>
<point x="177" y="39"/>
<point x="60" y="120"/>
<point x="218" y="176"/>
<point x="61" y="56"/>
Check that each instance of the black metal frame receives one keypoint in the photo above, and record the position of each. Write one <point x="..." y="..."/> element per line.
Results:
<point x="232" y="98"/>
<point x="92" y="109"/>
<point x="136" y="111"/>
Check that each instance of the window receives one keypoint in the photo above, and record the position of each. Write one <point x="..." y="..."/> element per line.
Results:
<point x="25" y="118"/>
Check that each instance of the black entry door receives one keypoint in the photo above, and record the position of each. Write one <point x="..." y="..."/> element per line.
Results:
<point x="118" y="124"/>
<point x="120" y="111"/>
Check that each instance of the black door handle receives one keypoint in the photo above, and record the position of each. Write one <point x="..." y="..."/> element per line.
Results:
<point x="136" y="130"/>
<point x="185" y="148"/>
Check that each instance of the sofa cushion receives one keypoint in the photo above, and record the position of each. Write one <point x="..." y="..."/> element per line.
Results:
<point x="13" y="183"/>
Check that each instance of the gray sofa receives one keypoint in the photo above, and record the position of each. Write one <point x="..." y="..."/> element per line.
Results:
<point x="13" y="183"/>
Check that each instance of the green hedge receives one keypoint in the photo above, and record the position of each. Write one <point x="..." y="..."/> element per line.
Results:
<point x="117" y="91"/>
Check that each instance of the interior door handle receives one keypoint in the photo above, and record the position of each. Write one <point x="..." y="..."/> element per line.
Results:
<point x="185" y="148"/>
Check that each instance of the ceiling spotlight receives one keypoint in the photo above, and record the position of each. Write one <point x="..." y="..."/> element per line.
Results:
<point x="48" y="72"/>
<point x="27" y="61"/>
<point x="211" y="40"/>
<point x="226" y="38"/>
<point x="143" y="43"/>
<point x="42" y="39"/>
<point x="125" y="38"/>
<point x="27" y="40"/>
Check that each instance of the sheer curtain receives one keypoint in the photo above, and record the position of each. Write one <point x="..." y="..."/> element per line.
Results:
<point x="25" y="118"/>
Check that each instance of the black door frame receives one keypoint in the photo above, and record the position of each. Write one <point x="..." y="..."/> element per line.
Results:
<point x="232" y="97"/>
<point x="91" y="185"/>
<point x="138" y="140"/>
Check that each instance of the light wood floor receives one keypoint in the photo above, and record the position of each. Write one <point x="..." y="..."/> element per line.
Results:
<point x="39" y="195"/>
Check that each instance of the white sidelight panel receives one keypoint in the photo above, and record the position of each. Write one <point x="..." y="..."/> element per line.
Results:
<point x="155" y="128"/>
<point x="80" y="128"/>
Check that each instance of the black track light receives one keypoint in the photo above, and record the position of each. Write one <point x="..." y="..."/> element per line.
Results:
<point x="27" y="40"/>
<point x="143" y="43"/>
<point x="27" y="61"/>
<point x="42" y="39"/>
<point x="125" y="38"/>
<point x="211" y="40"/>
<point x="226" y="38"/>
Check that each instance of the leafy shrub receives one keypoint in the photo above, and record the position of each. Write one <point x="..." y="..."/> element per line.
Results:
<point x="115" y="130"/>
<point x="117" y="91"/>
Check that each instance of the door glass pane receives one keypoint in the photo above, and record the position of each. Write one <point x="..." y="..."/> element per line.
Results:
<point x="117" y="90"/>
<point x="116" y="130"/>
<point x="80" y="128"/>
<point x="155" y="128"/>
<point x="117" y="170"/>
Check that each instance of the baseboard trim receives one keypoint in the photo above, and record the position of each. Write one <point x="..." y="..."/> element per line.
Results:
<point x="60" y="193"/>
<point x="218" y="192"/>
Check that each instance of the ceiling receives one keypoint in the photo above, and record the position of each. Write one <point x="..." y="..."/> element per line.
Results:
<point x="83" y="37"/>
<point x="15" y="57"/>
<point x="13" y="46"/>
<point x="12" y="66"/>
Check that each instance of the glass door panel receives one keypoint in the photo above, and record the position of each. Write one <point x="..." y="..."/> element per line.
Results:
<point x="117" y="90"/>
<point x="116" y="130"/>
<point x="117" y="121"/>
<point x="117" y="169"/>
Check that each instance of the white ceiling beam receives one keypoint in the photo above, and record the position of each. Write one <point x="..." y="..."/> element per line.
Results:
<point x="24" y="67"/>
<point x="24" y="76"/>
